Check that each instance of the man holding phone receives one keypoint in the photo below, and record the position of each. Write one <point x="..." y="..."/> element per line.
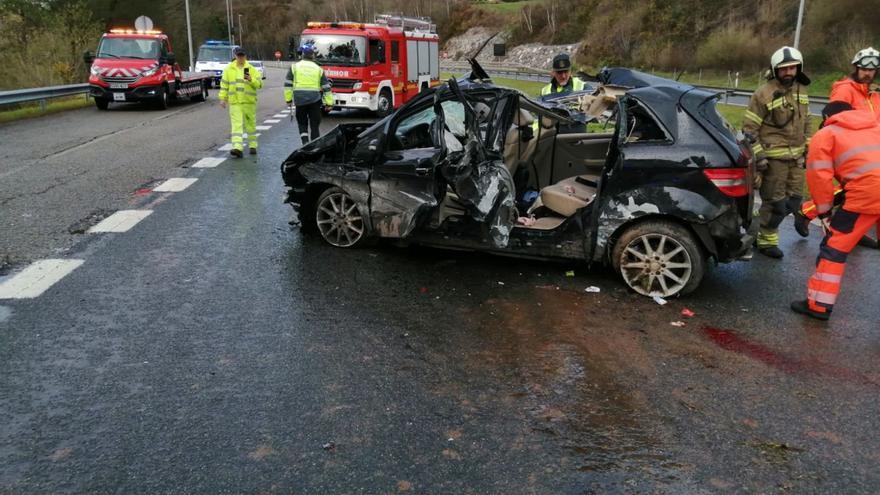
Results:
<point x="238" y="91"/>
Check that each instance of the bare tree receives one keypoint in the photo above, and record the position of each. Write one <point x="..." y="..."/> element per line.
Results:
<point x="527" y="12"/>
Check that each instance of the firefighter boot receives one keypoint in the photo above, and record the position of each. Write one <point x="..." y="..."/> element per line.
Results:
<point x="801" y="224"/>
<point x="803" y="308"/>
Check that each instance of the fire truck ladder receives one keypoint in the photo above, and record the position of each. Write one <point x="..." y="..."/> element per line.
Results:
<point x="406" y="23"/>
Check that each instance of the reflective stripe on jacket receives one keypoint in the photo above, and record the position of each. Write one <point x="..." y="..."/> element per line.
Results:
<point x="306" y="83"/>
<point x="235" y="89"/>
<point x="778" y="121"/>
<point x="856" y="94"/>
<point x="846" y="149"/>
<point x="574" y="84"/>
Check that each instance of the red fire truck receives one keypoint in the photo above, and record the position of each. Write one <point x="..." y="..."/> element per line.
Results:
<point x="136" y="65"/>
<point x="377" y="66"/>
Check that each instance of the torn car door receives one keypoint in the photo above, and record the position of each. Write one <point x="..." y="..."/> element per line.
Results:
<point x="481" y="181"/>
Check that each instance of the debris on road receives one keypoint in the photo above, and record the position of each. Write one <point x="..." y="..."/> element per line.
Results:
<point x="329" y="446"/>
<point x="659" y="300"/>
<point x="592" y="289"/>
<point x="677" y="323"/>
<point x="687" y="313"/>
<point x="500" y="283"/>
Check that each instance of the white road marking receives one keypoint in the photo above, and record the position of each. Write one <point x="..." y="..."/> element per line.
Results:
<point x="37" y="278"/>
<point x="209" y="162"/>
<point x="225" y="147"/>
<point x="176" y="184"/>
<point x="121" y="221"/>
<point x="279" y="116"/>
<point x="263" y="127"/>
<point x="271" y="121"/>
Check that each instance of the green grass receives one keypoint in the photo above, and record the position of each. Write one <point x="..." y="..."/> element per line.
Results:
<point x="30" y="110"/>
<point x="820" y="86"/>
<point x="506" y="8"/>
<point x="530" y="88"/>
<point x="734" y="115"/>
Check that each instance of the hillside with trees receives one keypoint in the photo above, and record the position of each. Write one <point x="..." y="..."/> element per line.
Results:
<point x="44" y="39"/>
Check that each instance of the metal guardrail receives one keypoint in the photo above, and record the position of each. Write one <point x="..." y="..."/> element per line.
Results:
<point x="41" y="94"/>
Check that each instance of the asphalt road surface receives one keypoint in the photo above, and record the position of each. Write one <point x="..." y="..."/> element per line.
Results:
<point x="212" y="348"/>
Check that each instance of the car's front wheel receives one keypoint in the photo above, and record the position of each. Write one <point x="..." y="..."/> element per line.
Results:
<point x="659" y="258"/>
<point x="338" y="218"/>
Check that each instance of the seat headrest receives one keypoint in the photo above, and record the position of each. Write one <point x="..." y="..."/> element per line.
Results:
<point x="548" y="123"/>
<point x="523" y="118"/>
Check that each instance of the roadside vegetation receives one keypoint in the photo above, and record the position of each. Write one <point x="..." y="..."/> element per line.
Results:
<point x="28" y="110"/>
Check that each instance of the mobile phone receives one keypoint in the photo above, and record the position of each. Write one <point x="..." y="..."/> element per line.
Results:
<point x="247" y="71"/>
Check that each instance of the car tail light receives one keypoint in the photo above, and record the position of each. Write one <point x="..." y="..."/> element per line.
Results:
<point x="731" y="181"/>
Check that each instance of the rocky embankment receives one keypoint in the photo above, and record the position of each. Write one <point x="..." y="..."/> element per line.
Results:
<point x="534" y="55"/>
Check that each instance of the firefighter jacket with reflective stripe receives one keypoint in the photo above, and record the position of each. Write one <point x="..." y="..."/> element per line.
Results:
<point x="778" y="121"/>
<point x="235" y="89"/>
<point x="859" y="95"/>
<point x="306" y="83"/>
<point x="846" y="149"/>
<point x="574" y="84"/>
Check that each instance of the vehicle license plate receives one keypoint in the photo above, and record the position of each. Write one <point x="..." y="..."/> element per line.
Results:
<point x="118" y="96"/>
<point x="119" y="85"/>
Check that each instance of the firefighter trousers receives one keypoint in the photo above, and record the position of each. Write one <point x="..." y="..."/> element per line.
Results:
<point x="847" y="228"/>
<point x="782" y="184"/>
<point x="308" y="117"/>
<point x="243" y="118"/>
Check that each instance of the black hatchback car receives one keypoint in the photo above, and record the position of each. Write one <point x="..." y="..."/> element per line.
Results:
<point x="658" y="191"/>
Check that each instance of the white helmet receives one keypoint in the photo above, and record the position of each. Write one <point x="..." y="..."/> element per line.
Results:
<point x="868" y="58"/>
<point x="786" y="57"/>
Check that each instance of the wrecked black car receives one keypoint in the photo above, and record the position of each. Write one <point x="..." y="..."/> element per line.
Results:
<point x="642" y="173"/>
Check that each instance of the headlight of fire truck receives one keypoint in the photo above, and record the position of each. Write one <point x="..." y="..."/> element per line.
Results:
<point x="94" y="71"/>
<point x="149" y="72"/>
<point x="357" y="86"/>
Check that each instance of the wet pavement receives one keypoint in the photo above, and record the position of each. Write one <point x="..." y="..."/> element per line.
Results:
<point x="215" y="349"/>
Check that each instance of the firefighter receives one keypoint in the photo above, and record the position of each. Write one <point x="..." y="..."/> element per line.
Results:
<point x="845" y="150"/>
<point x="855" y="89"/>
<point x="308" y="89"/>
<point x="777" y="123"/>
<point x="238" y="89"/>
<point x="562" y="81"/>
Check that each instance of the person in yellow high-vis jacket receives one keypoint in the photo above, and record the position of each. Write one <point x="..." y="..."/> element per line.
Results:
<point x="307" y="88"/>
<point x="238" y="89"/>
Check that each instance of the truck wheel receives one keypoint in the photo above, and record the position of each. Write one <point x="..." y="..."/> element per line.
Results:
<point x="659" y="258"/>
<point x="161" y="101"/>
<point x="102" y="104"/>
<point x="385" y="105"/>
<point x="203" y="93"/>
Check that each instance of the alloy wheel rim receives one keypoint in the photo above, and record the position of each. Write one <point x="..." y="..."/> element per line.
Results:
<point x="656" y="265"/>
<point x="339" y="220"/>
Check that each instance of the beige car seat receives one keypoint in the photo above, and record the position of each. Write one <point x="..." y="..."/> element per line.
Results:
<point x="517" y="151"/>
<point x="570" y="195"/>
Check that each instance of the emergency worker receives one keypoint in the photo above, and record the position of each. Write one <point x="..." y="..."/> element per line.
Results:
<point x="308" y="89"/>
<point x="562" y="81"/>
<point x="777" y="123"/>
<point x="845" y="150"/>
<point x="238" y="91"/>
<point x="859" y="91"/>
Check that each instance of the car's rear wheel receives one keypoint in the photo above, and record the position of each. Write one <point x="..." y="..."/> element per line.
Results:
<point x="659" y="258"/>
<point x="338" y="218"/>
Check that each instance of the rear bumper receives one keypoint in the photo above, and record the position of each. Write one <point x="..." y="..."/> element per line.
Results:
<point x="726" y="238"/>
<point x="140" y="93"/>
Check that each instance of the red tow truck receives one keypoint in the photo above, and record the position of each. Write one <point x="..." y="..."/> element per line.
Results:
<point x="133" y="65"/>
<point x="377" y="66"/>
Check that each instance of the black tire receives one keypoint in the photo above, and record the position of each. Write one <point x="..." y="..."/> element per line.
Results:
<point x="339" y="220"/>
<point x="659" y="258"/>
<point x="161" y="101"/>
<point x="385" y="105"/>
<point x="102" y="104"/>
<point x="203" y="94"/>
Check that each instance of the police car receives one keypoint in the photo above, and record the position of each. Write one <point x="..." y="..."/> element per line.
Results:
<point x="213" y="57"/>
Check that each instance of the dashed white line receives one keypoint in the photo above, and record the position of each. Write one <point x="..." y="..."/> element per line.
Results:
<point x="263" y="127"/>
<point x="176" y="184"/>
<point x="209" y="162"/>
<point x="279" y="116"/>
<point x="271" y="121"/>
<point x="37" y="278"/>
<point x="225" y="147"/>
<point x="121" y="221"/>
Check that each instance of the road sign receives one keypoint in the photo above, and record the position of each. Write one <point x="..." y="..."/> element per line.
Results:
<point x="143" y="23"/>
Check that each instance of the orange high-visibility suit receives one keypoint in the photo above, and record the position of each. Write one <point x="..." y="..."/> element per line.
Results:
<point x="846" y="149"/>
<point x="858" y="95"/>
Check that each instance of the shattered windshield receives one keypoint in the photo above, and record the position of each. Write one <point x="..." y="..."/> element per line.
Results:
<point x="331" y="49"/>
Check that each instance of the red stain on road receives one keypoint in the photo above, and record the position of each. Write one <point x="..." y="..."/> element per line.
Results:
<point x="731" y="341"/>
<point x="143" y="191"/>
